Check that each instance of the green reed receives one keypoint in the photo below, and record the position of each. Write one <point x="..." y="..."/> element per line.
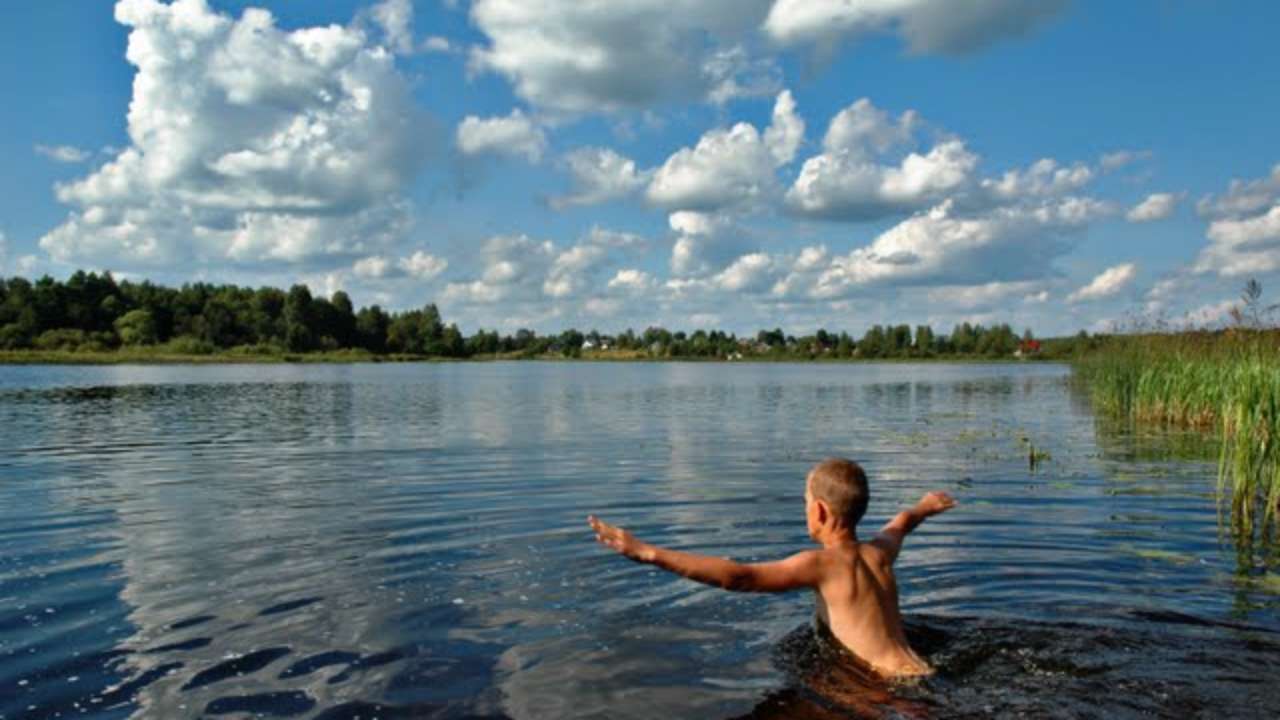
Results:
<point x="1225" y="382"/>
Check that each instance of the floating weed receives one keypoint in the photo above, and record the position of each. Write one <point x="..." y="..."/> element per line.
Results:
<point x="1165" y="556"/>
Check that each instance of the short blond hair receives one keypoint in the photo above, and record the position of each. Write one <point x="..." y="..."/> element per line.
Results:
<point x="842" y="485"/>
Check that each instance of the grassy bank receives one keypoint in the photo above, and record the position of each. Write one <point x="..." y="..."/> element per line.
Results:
<point x="1226" y="383"/>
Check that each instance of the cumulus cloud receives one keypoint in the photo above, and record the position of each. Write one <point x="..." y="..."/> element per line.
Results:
<point x="249" y="144"/>
<point x="864" y="130"/>
<point x="63" y="153"/>
<point x="519" y="269"/>
<point x="786" y="130"/>
<point x="947" y="245"/>
<point x="848" y="181"/>
<point x="631" y="280"/>
<point x="419" y="265"/>
<point x="1157" y="206"/>
<point x="395" y="17"/>
<point x="752" y="272"/>
<point x="1244" y="231"/>
<point x="1044" y="178"/>
<point x="925" y="26"/>
<point x="423" y="266"/>
<point x="1108" y="283"/>
<point x="705" y="242"/>
<point x="729" y="166"/>
<point x="600" y="175"/>
<point x="515" y="135"/>
<point x="573" y="57"/>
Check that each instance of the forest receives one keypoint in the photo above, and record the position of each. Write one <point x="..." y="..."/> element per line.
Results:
<point x="91" y="312"/>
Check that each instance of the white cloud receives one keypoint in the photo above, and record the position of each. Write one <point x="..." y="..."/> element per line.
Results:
<point x="1112" y="161"/>
<point x="600" y="175"/>
<point x="423" y="266"/>
<point x="572" y="56"/>
<point x="1110" y="282"/>
<point x="515" y="135"/>
<point x="519" y="269"/>
<point x="419" y="265"/>
<point x="1244" y="233"/>
<point x="947" y="246"/>
<point x="1210" y="314"/>
<point x="374" y="266"/>
<point x="569" y="269"/>
<point x="728" y="167"/>
<point x="395" y="17"/>
<point x="615" y="239"/>
<point x="786" y="130"/>
<point x="1157" y="206"/>
<point x="514" y="269"/>
<point x="986" y="295"/>
<point x="925" y="25"/>
<point x="631" y="280"/>
<point x="752" y="272"/>
<point x="437" y="44"/>
<point x="249" y="143"/>
<point x="704" y="243"/>
<point x="1243" y="197"/>
<point x="847" y="181"/>
<point x="842" y="186"/>
<point x="1044" y="178"/>
<point x="865" y="130"/>
<point x="26" y="265"/>
<point x="64" y="153"/>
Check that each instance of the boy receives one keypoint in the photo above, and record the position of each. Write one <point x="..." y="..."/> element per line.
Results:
<point x="857" y="596"/>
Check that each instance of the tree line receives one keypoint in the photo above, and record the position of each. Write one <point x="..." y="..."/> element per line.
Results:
<point x="93" y="312"/>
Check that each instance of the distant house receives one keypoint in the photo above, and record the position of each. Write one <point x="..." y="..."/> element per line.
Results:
<point x="588" y="345"/>
<point x="1028" y="348"/>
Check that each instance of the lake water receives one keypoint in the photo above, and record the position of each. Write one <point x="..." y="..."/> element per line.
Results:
<point x="410" y="541"/>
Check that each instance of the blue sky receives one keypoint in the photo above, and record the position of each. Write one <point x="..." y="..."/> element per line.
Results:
<point x="692" y="163"/>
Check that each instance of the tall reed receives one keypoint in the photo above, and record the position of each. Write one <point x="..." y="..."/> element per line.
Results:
<point x="1226" y="382"/>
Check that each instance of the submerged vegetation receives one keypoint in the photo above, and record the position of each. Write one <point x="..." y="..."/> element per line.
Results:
<point x="1225" y="382"/>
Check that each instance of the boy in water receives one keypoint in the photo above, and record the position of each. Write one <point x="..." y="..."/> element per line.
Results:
<point x="857" y="596"/>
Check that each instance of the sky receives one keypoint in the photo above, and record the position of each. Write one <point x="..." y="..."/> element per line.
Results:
<point x="718" y="164"/>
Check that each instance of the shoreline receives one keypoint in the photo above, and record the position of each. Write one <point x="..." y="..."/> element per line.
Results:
<point x="62" y="357"/>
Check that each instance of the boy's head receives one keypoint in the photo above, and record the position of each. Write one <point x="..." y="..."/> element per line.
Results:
<point x="841" y="486"/>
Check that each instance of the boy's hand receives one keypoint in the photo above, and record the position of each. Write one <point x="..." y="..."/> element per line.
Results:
<point x="934" y="503"/>
<point x="621" y="540"/>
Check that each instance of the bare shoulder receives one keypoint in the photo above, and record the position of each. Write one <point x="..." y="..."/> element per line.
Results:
<point x="874" y="554"/>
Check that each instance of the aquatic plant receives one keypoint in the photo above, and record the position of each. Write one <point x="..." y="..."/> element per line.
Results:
<point x="1225" y="382"/>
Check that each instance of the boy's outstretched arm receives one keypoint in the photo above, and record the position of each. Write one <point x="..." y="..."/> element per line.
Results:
<point x="798" y="571"/>
<point x="895" y="531"/>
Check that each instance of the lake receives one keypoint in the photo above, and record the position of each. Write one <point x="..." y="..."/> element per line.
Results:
<point x="335" y="541"/>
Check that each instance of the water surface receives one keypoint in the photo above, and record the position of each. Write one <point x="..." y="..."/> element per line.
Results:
<point x="410" y="541"/>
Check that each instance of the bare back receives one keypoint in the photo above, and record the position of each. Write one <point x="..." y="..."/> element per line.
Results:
<point x="857" y="599"/>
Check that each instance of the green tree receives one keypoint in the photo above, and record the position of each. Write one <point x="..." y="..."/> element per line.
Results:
<point x="136" y="327"/>
<point x="299" y="335"/>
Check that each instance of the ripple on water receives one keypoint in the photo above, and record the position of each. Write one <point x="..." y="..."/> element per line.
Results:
<point x="409" y="541"/>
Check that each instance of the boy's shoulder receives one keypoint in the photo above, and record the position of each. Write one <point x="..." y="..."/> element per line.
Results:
<point x="866" y="552"/>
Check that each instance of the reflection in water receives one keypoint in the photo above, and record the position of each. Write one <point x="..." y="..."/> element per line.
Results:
<point x="408" y="541"/>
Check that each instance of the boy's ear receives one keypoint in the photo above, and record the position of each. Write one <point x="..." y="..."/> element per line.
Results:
<point x="824" y="512"/>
